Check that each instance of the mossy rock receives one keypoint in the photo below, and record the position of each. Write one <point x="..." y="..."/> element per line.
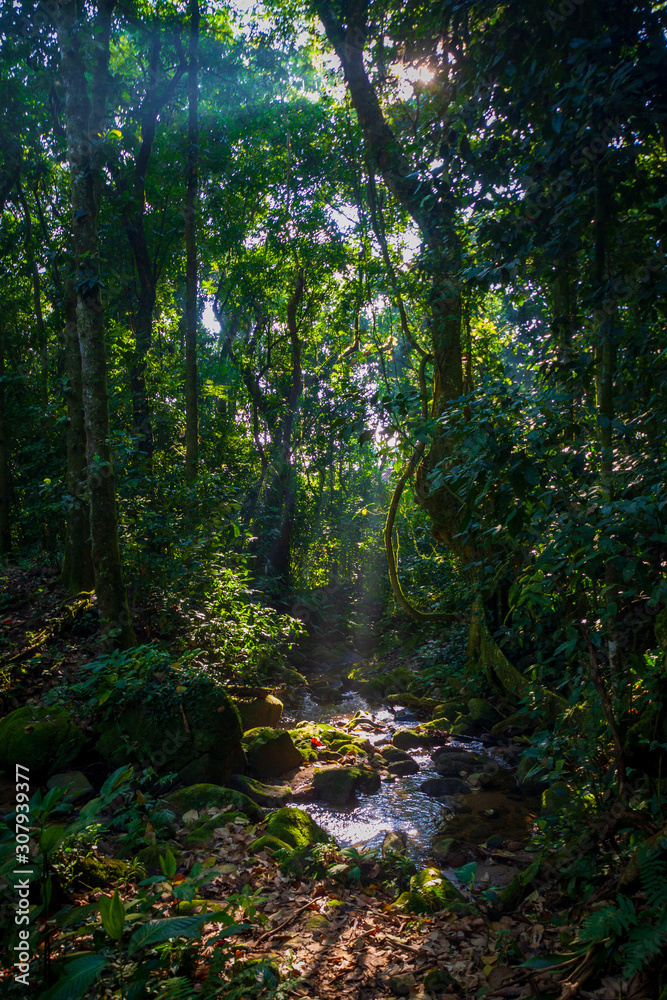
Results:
<point x="338" y="785"/>
<point x="270" y="752"/>
<point x="188" y="907"/>
<point x="266" y="711"/>
<point x="207" y="796"/>
<point x="75" y="782"/>
<point x="268" y="843"/>
<point x="271" y="796"/>
<point x="413" y="701"/>
<point x="150" y="855"/>
<point x="450" y="762"/>
<point x="296" y="828"/>
<point x="202" y="833"/>
<point x="483" y="711"/>
<point x="93" y="871"/>
<point x="206" y="747"/>
<point x="430" y="892"/>
<point x="412" y="739"/>
<point x="449" y="709"/>
<point x="44" y="740"/>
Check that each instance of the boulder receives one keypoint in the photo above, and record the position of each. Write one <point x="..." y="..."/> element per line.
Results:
<point x="296" y="828"/>
<point x="271" y="796"/>
<point x="401" y="768"/>
<point x="264" y="711"/>
<point x="483" y="711"/>
<point x="193" y="728"/>
<point x="413" y="739"/>
<point x="452" y="763"/>
<point x="337" y="785"/>
<point x="436" y="787"/>
<point x="270" y="752"/>
<point x="207" y="796"/>
<point x="449" y="710"/>
<point x="395" y="842"/>
<point x="430" y="892"/>
<point x="44" y="740"/>
<point x="93" y="871"/>
<point x="268" y="843"/>
<point x="75" y="782"/>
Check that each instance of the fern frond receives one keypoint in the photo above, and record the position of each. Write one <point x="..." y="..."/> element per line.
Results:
<point x="653" y="877"/>
<point x="644" y="943"/>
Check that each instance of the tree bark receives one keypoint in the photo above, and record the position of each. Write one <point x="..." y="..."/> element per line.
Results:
<point x="84" y="121"/>
<point x="42" y="346"/>
<point x="78" y="573"/>
<point x="191" y="403"/>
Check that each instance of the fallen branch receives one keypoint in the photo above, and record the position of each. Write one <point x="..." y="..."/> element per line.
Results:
<point x="285" y="923"/>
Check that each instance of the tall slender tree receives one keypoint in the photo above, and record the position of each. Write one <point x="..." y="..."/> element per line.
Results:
<point x="85" y="114"/>
<point x="191" y="403"/>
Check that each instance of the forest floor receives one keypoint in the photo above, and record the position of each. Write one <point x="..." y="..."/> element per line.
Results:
<point x="320" y="935"/>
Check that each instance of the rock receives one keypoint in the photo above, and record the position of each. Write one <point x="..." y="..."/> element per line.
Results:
<point x="483" y="711"/>
<point x="430" y="892"/>
<point x="412" y="739"/>
<point x="401" y="984"/>
<point x="296" y="828"/>
<point x="75" y="782"/>
<point x="337" y="785"/>
<point x="495" y="843"/>
<point x="268" y="843"/>
<point x="444" y="786"/>
<point x="449" y="710"/>
<point x="392" y="754"/>
<point x="271" y="796"/>
<point x="196" y="731"/>
<point x="44" y="740"/>
<point x="403" y="767"/>
<point x="207" y="796"/>
<point x="202" y="834"/>
<point x="519" y="887"/>
<point x="451" y="763"/>
<point x="264" y="711"/>
<point x="270" y="752"/>
<point x="441" y="846"/>
<point x="438" y="981"/>
<point x="395" y="842"/>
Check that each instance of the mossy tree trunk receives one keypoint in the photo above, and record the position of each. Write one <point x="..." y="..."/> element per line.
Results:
<point x="85" y="111"/>
<point x="5" y="509"/>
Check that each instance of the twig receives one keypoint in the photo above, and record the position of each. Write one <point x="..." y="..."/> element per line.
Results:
<point x="290" y="919"/>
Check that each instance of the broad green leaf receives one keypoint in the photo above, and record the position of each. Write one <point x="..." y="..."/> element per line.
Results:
<point x="155" y="931"/>
<point x="79" y="975"/>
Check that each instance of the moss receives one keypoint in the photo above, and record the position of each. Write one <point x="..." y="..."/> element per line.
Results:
<point x="206" y="796"/>
<point x="296" y="828"/>
<point x="202" y="833"/>
<point x="482" y="711"/>
<point x="519" y="887"/>
<point x="45" y="740"/>
<point x="409" y="700"/>
<point x="264" y="795"/>
<point x="265" y="711"/>
<point x="156" y="729"/>
<point x="411" y="739"/>
<point x="268" y="843"/>
<point x="337" y="785"/>
<point x="270" y="752"/>
<point x="430" y="892"/>
<point x="97" y="872"/>
<point x="450" y="709"/>
<point x="150" y="856"/>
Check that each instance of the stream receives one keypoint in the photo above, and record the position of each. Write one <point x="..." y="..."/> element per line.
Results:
<point x="399" y="805"/>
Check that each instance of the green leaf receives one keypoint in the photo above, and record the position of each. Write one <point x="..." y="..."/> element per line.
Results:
<point x="168" y="864"/>
<point x="112" y="912"/>
<point x="50" y="838"/>
<point x="155" y="931"/>
<point x="79" y="975"/>
<point x="116" y="780"/>
<point x="466" y="873"/>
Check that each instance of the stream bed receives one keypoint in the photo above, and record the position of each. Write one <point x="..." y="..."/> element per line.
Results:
<point x="399" y="805"/>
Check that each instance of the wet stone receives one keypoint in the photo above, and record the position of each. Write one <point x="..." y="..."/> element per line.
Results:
<point x="444" y="786"/>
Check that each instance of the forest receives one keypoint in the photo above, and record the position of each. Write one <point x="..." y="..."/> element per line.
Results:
<point x="333" y="501"/>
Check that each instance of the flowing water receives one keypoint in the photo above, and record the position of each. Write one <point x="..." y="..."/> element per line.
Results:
<point x="399" y="805"/>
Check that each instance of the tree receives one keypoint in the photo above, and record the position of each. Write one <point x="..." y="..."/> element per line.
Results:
<point x="85" y="114"/>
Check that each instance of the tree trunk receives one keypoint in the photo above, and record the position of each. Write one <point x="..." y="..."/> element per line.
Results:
<point x="280" y="555"/>
<point x="42" y="346"/>
<point x="78" y="574"/>
<point x="191" y="414"/>
<point x="604" y="348"/>
<point x="5" y="510"/>
<point x="433" y="211"/>
<point x="84" y="121"/>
